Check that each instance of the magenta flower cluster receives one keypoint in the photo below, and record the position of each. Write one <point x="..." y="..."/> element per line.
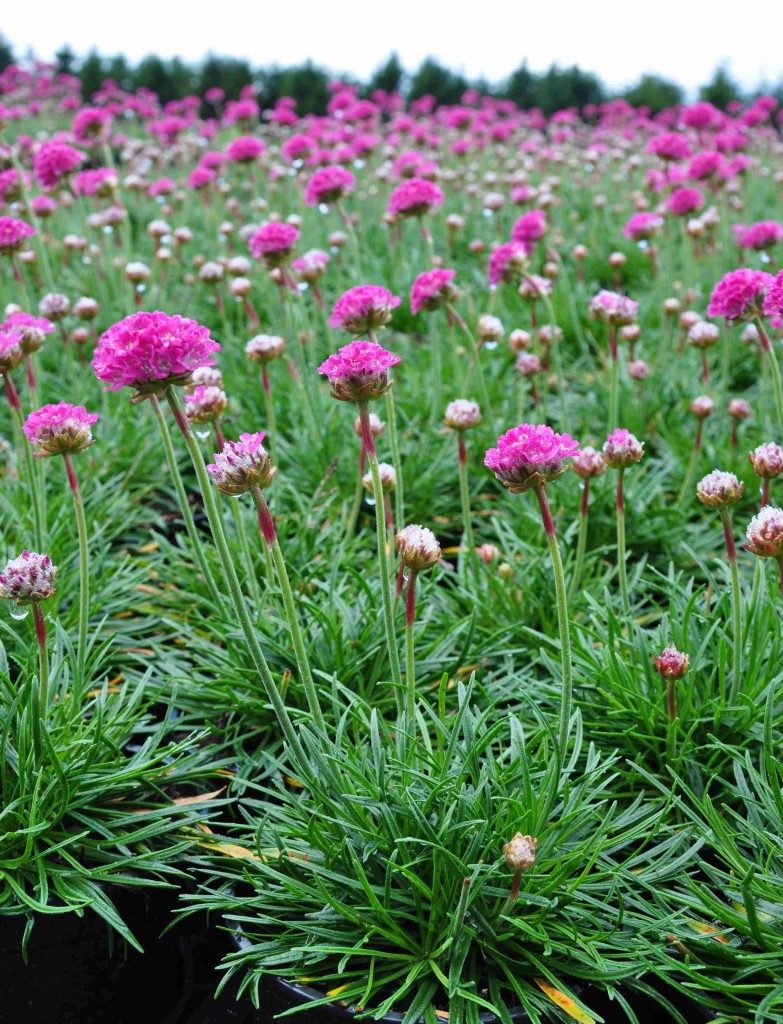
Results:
<point x="54" y="161"/>
<point x="328" y="184"/>
<point x="363" y="309"/>
<point x="274" y="242"/>
<point x="415" y="197"/>
<point x="13" y="233"/>
<point x="359" y="371"/>
<point x="530" y="454"/>
<point x="740" y="294"/>
<point x="433" y="289"/>
<point x="60" y="428"/>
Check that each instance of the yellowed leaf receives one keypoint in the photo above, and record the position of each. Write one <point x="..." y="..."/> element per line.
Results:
<point x="566" y="1004"/>
<point x="184" y="801"/>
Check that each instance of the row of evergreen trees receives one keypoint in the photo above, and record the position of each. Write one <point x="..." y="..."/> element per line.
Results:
<point x="555" y="89"/>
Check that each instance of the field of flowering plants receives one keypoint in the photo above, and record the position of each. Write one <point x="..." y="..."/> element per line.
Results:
<point x="394" y="558"/>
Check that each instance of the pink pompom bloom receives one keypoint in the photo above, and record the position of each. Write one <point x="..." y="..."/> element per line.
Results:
<point x="311" y="266"/>
<point x="529" y="455"/>
<point x="642" y="226"/>
<point x="671" y="663"/>
<point x="433" y="289"/>
<point x="33" y="329"/>
<point x="359" y="371"/>
<point x="274" y="243"/>
<point x="27" y="578"/>
<point x="362" y="309"/>
<point x="684" y="201"/>
<point x="152" y="351"/>
<point x="622" y="449"/>
<point x="101" y="182"/>
<point x="13" y="233"/>
<point x="764" y="533"/>
<point x="739" y="295"/>
<point x="91" y="124"/>
<point x="59" y="429"/>
<point x="43" y="206"/>
<point x="773" y="300"/>
<point x="767" y="460"/>
<point x="328" y="184"/>
<point x="705" y="165"/>
<point x="200" y="177"/>
<point x="245" y="149"/>
<point x="55" y="161"/>
<point x="613" y="308"/>
<point x="762" y="235"/>
<point x="11" y="351"/>
<point x="205" y="404"/>
<point x="414" y="198"/>
<point x="506" y="261"/>
<point x="529" y="228"/>
<point x="669" y="146"/>
<point x="242" y="465"/>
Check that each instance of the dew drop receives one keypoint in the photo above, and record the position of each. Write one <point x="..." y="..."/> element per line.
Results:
<point x="19" y="612"/>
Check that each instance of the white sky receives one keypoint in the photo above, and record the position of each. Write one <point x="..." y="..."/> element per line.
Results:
<point x="618" y="39"/>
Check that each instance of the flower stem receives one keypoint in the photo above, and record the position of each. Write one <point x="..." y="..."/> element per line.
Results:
<point x="768" y="347"/>
<point x="562" y="616"/>
<point x="621" y="569"/>
<point x="84" y="567"/>
<point x="581" y="543"/>
<point x="486" y="405"/>
<point x="269" y="406"/>
<point x="614" y="381"/>
<point x="736" y="606"/>
<point x="235" y="590"/>
<point x="184" y="506"/>
<point x="383" y="563"/>
<point x="410" y="668"/>
<point x="43" y="658"/>
<point x="468" y="544"/>
<point x="399" y="502"/>
<point x="269" y="533"/>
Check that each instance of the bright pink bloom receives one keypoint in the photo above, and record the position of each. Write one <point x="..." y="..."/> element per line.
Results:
<point x="91" y="124"/>
<point x="274" y="243"/>
<point x="643" y="225"/>
<point x="27" y="578"/>
<point x="359" y="371"/>
<point x="43" y="206"/>
<point x="669" y="146"/>
<point x="415" y="197"/>
<point x="622" y="449"/>
<point x="613" y="308"/>
<point x="206" y="404"/>
<point x="245" y="149"/>
<point x="773" y="300"/>
<point x="33" y="329"/>
<point x="529" y="228"/>
<point x="529" y="455"/>
<point x="54" y="161"/>
<point x="762" y="235"/>
<point x="684" y="201"/>
<point x="433" y="289"/>
<point x="705" y="165"/>
<point x="13" y="232"/>
<point x="242" y="464"/>
<point x="150" y="351"/>
<point x="312" y="265"/>
<point x="506" y="261"/>
<point x="11" y="350"/>
<point x="764" y="533"/>
<point x="363" y="309"/>
<point x="200" y="177"/>
<point x="101" y="182"/>
<point x="739" y="295"/>
<point x="60" y="428"/>
<point x="328" y="184"/>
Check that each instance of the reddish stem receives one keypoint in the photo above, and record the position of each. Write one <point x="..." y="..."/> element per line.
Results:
<point x="671" y="700"/>
<point x="73" y="482"/>
<point x="546" y="514"/>
<point x="764" y="492"/>
<point x="366" y="432"/>
<point x="11" y="393"/>
<point x="462" y="452"/>
<point x="728" y="533"/>
<point x="585" y="506"/>
<point x="40" y="625"/>
<point x="265" y="522"/>
<point x="28" y="362"/>
<point x="620" y="498"/>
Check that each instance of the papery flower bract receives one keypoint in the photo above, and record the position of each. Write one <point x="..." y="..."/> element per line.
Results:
<point x="739" y="295"/>
<point x="363" y="309"/>
<point x="27" y="578"/>
<point x="242" y="464"/>
<point x="767" y="460"/>
<point x="13" y="233"/>
<point x="765" y="533"/>
<point x="529" y="455"/>
<point x="359" y="371"/>
<point x="433" y="289"/>
<point x="60" y="428"/>
<point x="622" y="449"/>
<point x="415" y="197"/>
<point x="151" y="351"/>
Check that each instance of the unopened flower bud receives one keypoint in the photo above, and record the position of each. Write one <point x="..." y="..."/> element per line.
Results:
<point x="387" y="474"/>
<point x="588" y="463"/>
<point x="764" y="533"/>
<point x="461" y="414"/>
<point x="671" y="663"/>
<point x="767" y="460"/>
<point x="719" y="489"/>
<point x="418" y="547"/>
<point x="520" y="852"/>
<point x="702" y="407"/>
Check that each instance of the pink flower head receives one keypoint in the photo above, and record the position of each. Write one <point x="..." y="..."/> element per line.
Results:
<point x="530" y="227"/>
<point x="274" y="243"/>
<point x="589" y="463"/>
<point x="767" y="460"/>
<point x="622" y="449"/>
<point x="705" y="165"/>
<point x="764" y="533"/>
<point x="200" y="177"/>
<point x="43" y="206"/>
<point x="59" y="429"/>
<point x="13" y="233"/>
<point x="762" y="235"/>
<point x="205" y="404"/>
<point x="433" y="289"/>
<point x="362" y="309"/>
<point x="151" y="351"/>
<point x="529" y="455"/>
<point x="28" y="578"/>
<point x="613" y="308"/>
<point x="311" y="266"/>
<point x="11" y="352"/>
<point x="642" y="226"/>
<point x="242" y="465"/>
<point x="245" y="149"/>
<point x="414" y="198"/>
<point x="669" y="146"/>
<point x="328" y="184"/>
<point x="740" y="294"/>
<point x="91" y="124"/>
<point x="54" y="161"/>
<point x="671" y="663"/>
<point x="773" y="300"/>
<point x="719" y="489"/>
<point x="33" y="329"/>
<point x="359" y="371"/>
<point x="684" y="201"/>
<point x="507" y="261"/>
<point x="101" y="182"/>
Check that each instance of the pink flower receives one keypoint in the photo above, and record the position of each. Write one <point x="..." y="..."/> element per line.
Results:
<point x="60" y="428"/>
<point x="151" y="351"/>
<point x="359" y="371"/>
<point x="669" y="146"/>
<point x="13" y="233"/>
<point x="671" y="663"/>
<point x="705" y="165"/>
<point x="242" y="465"/>
<point x="643" y="225"/>
<point x="433" y="289"/>
<point x="274" y="243"/>
<point x="27" y="578"/>
<point x="762" y="235"/>
<point x="529" y="228"/>
<point x="613" y="308"/>
<point x="205" y="404"/>
<point x="764" y="533"/>
<point x="311" y="266"/>
<point x="622" y="449"/>
<point x="362" y="309"/>
<point x="200" y="177"/>
<point x="328" y="184"/>
<point x="507" y="260"/>
<point x="54" y="161"/>
<point x="33" y="329"/>
<point x="739" y="294"/>
<point x="245" y="149"/>
<point x="101" y="182"/>
<point x="773" y="300"/>
<point x="11" y="352"/>
<point x="684" y="201"/>
<point x="414" y="198"/>
<point x="529" y="455"/>
<point x="91" y="124"/>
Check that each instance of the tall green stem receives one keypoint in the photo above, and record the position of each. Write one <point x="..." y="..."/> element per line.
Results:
<point x="234" y="588"/>
<point x="621" y="569"/>
<point x="399" y="500"/>
<point x="469" y="544"/>
<point x="84" y="567"/>
<point x="562" y="617"/>
<point x="581" y="544"/>
<point x="736" y="607"/>
<point x="383" y="562"/>
<point x="410" y="664"/>
<point x="43" y="659"/>
<point x="32" y="479"/>
<point x="269" y="533"/>
<point x="768" y="347"/>
<point x="486" y="405"/>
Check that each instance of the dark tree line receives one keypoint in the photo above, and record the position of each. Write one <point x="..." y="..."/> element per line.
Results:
<point x="555" y="89"/>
